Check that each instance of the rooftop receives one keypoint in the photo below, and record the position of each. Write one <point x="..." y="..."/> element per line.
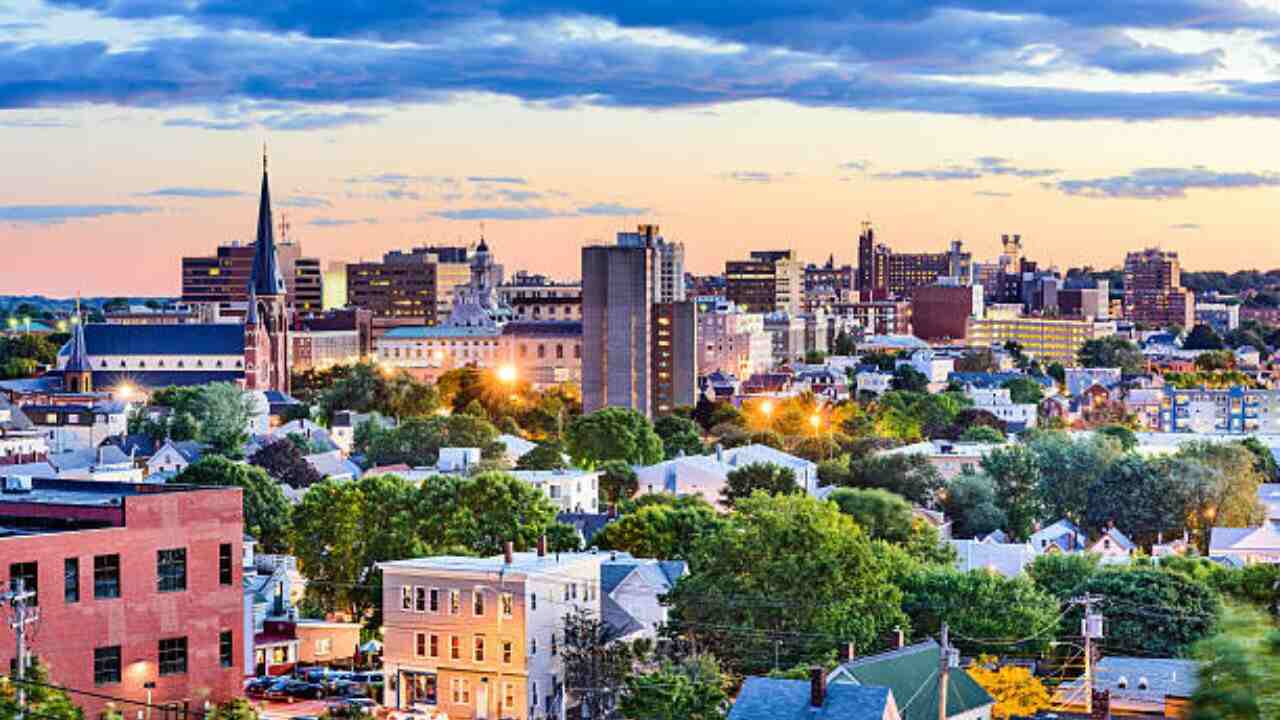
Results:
<point x="92" y="493"/>
<point x="523" y="563"/>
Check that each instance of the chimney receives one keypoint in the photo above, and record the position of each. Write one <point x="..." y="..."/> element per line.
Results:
<point x="848" y="652"/>
<point x="899" y="638"/>
<point x="508" y="552"/>
<point x="817" y="686"/>
<point x="542" y="546"/>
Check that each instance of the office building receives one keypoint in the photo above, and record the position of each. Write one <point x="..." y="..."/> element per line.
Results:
<point x="138" y="588"/>
<point x="334" y="337"/>
<point x="1153" y="292"/>
<point x="617" y="327"/>
<point x="411" y="288"/>
<point x="886" y="275"/>
<point x="828" y="284"/>
<point x="675" y="356"/>
<point x="768" y="281"/>
<point x="1093" y="303"/>
<point x="880" y="317"/>
<point x="669" y="261"/>
<point x="786" y="334"/>
<point x="1049" y="339"/>
<point x="537" y="297"/>
<point x="222" y="280"/>
<point x="942" y="312"/>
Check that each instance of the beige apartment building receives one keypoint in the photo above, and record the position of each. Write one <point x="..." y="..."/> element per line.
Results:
<point x="479" y="638"/>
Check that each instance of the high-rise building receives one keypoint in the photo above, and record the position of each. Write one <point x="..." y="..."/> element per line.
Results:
<point x="884" y="274"/>
<point x="617" y="327"/>
<point x="827" y="284"/>
<point x="1153" y="292"/>
<point x="675" y="356"/>
<point x="768" y="281"/>
<point x="537" y="297"/>
<point x="222" y="279"/>
<point x="411" y="288"/>
<point x="733" y="341"/>
<point x="942" y="312"/>
<point x="670" y="261"/>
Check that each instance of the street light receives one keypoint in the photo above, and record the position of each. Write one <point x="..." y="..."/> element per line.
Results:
<point x="507" y="374"/>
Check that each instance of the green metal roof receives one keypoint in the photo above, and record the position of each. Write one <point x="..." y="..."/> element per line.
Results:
<point x="912" y="674"/>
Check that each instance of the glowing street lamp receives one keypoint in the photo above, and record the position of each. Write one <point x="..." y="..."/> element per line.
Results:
<point x="507" y="374"/>
<point x="126" y="391"/>
<point x="815" y="421"/>
<point x="766" y="407"/>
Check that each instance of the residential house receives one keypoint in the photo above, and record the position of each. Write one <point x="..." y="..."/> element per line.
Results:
<point x="1245" y="546"/>
<point x="873" y="381"/>
<point x="949" y="458"/>
<point x="706" y="475"/>
<point x="911" y="673"/>
<point x="1178" y="546"/>
<point x="1139" y="687"/>
<point x="764" y="698"/>
<point x="630" y="590"/>
<point x="342" y="430"/>
<point x="999" y="402"/>
<point x="174" y="456"/>
<point x="1113" y="546"/>
<point x="1062" y="536"/>
<point x="1078" y="380"/>
<point x="105" y="463"/>
<point x="457" y="460"/>
<point x="570" y="490"/>
<point x="20" y="440"/>
<point x="515" y="447"/>
<point x="479" y="637"/>
<point x="935" y="367"/>
<point x="1008" y="559"/>
<point x="79" y="426"/>
<point x="333" y="465"/>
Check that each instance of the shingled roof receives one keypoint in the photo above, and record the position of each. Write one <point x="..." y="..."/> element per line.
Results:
<point x="912" y="674"/>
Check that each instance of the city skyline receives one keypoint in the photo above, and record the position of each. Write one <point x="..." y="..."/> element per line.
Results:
<point x="133" y="136"/>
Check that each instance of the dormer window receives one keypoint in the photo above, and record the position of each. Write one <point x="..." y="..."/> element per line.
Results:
<point x="1142" y="683"/>
<point x="1123" y="682"/>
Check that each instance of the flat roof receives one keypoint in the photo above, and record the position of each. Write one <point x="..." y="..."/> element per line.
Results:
<point x="525" y="563"/>
<point x="93" y="493"/>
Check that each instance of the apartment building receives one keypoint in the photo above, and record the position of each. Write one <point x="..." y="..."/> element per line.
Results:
<point x="410" y="288"/>
<point x="1049" y="339"/>
<point x="537" y="297"/>
<point x="138" y="587"/>
<point x="480" y="638"/>
<point x="768" y="281"/>
<point x="733" y="341"/>
<point x="571" y="491"/>
<point x="1223" y="410"/>
<point x="1153" y="292"/>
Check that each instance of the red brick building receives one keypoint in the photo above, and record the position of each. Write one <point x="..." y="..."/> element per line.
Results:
<point x="138" y="588"/>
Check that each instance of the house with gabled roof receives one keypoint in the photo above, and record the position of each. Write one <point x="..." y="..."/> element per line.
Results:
<point x="1062" y="536"/>
<point x="910" y="673"/>
<point x="630" y="589"/>
<point x="1245" y="546"/>
<point x="1114" y="546"/>
<point x="174" y="456"/>
<point x="764" y="698"/>
<point x="1008" y="559"/>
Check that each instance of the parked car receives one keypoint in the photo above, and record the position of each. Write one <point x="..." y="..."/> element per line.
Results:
<point x="304" y="690"/>
<point x="345" y="688"/>
<point x="371" y="677"/>
<point x="363" y="706"/>
<point x="257" y="687"/>
<point x="278" y="690"/>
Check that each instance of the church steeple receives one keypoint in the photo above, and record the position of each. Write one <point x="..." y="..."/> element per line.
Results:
<point x="77" y="375"/>
<point x="266" y="279"/>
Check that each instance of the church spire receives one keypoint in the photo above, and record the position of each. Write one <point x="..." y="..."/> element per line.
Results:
<point x="266" y="279"/>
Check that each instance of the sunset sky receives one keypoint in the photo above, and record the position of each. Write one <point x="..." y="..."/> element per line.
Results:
<point x="131" y="130"/>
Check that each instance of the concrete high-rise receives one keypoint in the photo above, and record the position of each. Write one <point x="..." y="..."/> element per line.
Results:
<point x="768" y="281"/>
<point x="669" y="261"/>
<point x="617" y="326"/>
<point x="1153" y="292"/>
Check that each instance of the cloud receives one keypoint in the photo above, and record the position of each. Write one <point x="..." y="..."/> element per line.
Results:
<point x="192" y="192"/>
<point x="35" y="123"/>
<point x="304" y="201"/>
<point x="1185" y="226"/>
<point x="56" y="214"/>
<point x="612" y="210"/>
<point x="317" y="120"/>
<point x="499" y="213"/>
<point x="497" y="179"/>
<point x="1000" y="166"/>
<point x="855" y="165"/>
<point x="981" y="167"/>
<point x="518" y="196"/>
<point x="992" y="194"/>
<point x="401" y="194"/>
<point x="755" y="176"/>
<point x="936" y="174"/>
<point x="205" y="124"/>
<point x="1165" y="183"/>
<point x="1150" y="59"/>
<point x="395" y="178"/>
<point x="341" y="222"/>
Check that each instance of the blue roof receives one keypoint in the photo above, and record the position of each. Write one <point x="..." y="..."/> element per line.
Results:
<point x="423" y="332"/>
<point x="209" y="339"/>
<point x="776" y="699"/>
<point x="163" y="378"/>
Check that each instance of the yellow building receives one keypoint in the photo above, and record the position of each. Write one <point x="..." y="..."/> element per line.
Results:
<point x="1049" y="339"/>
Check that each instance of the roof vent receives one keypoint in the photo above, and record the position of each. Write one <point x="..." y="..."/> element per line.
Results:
<point x="1142" y="683"/>
<point x="1123" y="682"/>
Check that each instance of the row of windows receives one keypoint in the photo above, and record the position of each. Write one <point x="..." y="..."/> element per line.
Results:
<point x="424" y="599"/>
<point x="427" y="645"/>
<point x="171" y="574"/>
<point x="142" y="364"/>
<point x="171" y="658"/>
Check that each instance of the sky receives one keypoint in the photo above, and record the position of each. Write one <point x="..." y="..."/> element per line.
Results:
<point x="131" y="131"/>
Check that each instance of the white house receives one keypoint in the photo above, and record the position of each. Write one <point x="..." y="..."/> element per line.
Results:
<point x="999" y="402"/>
<point x="516" y="447"/>
<point x="572" y="490"/>
<point x="173" y="456"/>
<point x="457" y="460"/>
<point x="933" y="366"/>
<point x="706" y="475"/>
<point x="1245" y="546"/>
<point x="630" y="589"/>
<point x="1008" y="559"/>
<point x="76" y="427"/>
<point x="873" y="381"/>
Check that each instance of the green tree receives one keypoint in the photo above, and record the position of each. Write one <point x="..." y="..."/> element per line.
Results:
<point x="976" y="361"/>
<point x="1016" y="474"/>
<point x="980" y="604"/>
<point x="222" y="412"/>
<point x="1202" y="337"/>
<point x="283" y="461"/>
<point x="1068" y="466"/>
<point x="618" y="481"/>
<point x="970" y="503"/>
<point x="1112" y="351"/>
<point x="789" y="564"/>
<point x="547" y="455"/>
<point x="406" y="397"/>
<point x="594" y="663"/>
<point x="612" y="433"/>
<point x="417" y="441"/>
<point x="1063" y="575"/>
<point x="765" y="477"/>
<point x="1152" y="612"/>
<point x="908" y="379"/>
<point x="982" y="434"/>
<point x="1263" y="461"/>
<point x="1143" y="498"/>
<point x="1125" y="437"/>
<point x="881" y="513"/>
<point x="233" y="709"/>
<point x="482" y="512"/>
<point x="680" y="436"/>
<point x="43" y="701"/>
<point x="669" y="529"/>
<point x="910" y="475"/>
<point x="266" y="510"/>
<point x="1239" y="676"/>
<point x="1024" y="390"/>
<point x="690" y="690"/>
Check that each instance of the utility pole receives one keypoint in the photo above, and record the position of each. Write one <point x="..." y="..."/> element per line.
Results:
<point x="944" y="671"/>
<point x="22" y="616"/>
<point x="1090" y="629"/>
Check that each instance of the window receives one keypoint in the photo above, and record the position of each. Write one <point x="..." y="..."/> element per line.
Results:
<point x="421" y="595"/>
<point x="435" y="600"/>
<point x="477" y="652"/>
<point x="573" y="590"/>
<point x="477" y="602"/>
<point x="455" y="602"/>
<point x="171" y="570"/>
<point x="508" y="649"/>
<point x="461" y="691"/>
<point x="507" y="604"/>
<point x="226" y="651"/>
<point x="533" y="601"/>
<point x="324" y="646"/>
<point x="173" y="656"/>
<point x="433" y="649"/>
<point x="420" y="644"/>
<point x="455" y="647"/>
<point x="554" y="648"/>
<point x="566" y="593"/>
<point x="106" y="665"/>
<point x="24" y="575"/>
<point x="533" y="646"/>
<point x="406" y="598"/>
<point x="509" y="696"/>
<point x="225" y="576"/>
<point x="71" y="580"/>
